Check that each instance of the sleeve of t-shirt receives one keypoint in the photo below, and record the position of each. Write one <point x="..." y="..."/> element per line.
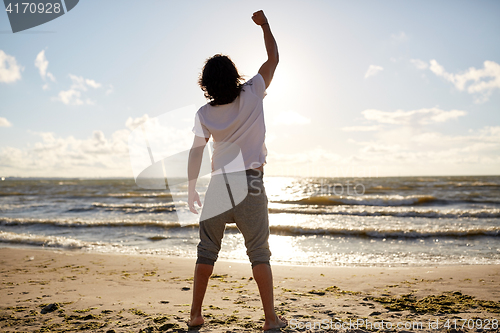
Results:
<point x="258" y="85"/>
<point x="199" y="128"/>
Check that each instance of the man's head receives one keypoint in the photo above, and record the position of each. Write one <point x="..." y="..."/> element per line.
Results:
<point x="220" y="80"/>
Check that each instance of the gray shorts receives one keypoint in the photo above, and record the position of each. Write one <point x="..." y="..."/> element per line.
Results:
<point x="245" y="205"/>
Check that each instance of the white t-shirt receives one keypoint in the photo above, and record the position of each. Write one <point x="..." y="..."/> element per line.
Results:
<point x="237" y="128"/>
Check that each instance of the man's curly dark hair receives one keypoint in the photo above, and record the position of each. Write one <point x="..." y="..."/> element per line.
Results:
<point x="220" y="80"/>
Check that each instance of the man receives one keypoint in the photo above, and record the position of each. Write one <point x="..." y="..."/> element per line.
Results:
<point x="234" y="118"/>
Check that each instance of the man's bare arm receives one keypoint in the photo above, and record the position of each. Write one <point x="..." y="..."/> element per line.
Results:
<point x="194" y="164"/>
<point x="267" y="69"/>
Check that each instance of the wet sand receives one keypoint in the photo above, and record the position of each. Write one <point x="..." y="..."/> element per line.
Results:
<point x="59" y="291"/>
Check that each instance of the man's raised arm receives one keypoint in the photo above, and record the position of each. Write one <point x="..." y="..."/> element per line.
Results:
<point x="267" y="69"/>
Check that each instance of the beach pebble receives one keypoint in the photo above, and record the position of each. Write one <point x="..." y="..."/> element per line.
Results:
<point x="164" y="302"/>
<point x="185" y="288"/>
<point x="50" y="308"/>
<point x="168" y="326"/>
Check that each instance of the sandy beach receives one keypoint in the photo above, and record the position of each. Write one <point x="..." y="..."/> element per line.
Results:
<point x="56" y="291"/>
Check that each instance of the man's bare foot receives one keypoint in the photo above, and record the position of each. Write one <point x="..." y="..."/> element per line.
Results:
<point x="196" y="321"/>
<point x="279" y="322"/>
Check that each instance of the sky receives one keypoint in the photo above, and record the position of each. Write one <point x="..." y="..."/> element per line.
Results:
<point x="363" y="88"/>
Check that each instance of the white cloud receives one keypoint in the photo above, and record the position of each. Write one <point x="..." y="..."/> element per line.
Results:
<point x="434" y="153"/>
<point x="314" y="155"/>
<point x="10" y="71"/>
<point x="4" y="122"/>
<point x="360" y="128"/>
<point x="399" y="37"/>
<point x="421" y="116"/>
<point x="96" y="156"/>
<point x="110" y="89"/>
<point x="373" y="70"/>
<point x="92" y="83"/>
<point x="290" y="118"/>
<point x="73" y="96"/>
<point x="132" y="123"/>
<point x="70" y="97"/>
<point x="397" y="150"/>
<point x="482" y="81"/>
<point x="419" y="153"/>
<point x="485" y="138"/>
<point x="42" y="64"/>
<point x="380" y="148"/>
<point x="78" y="82"/>
<point x="419" y="63"/>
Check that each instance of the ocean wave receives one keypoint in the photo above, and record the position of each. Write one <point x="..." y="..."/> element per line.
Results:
<point x="287" y="230"/>
<point x="9" y="194"/>
<point x="135" y="205"/>
<point x="131" y="208"/>
<point x="91" y="223"/>
<point x="157" y="238"/>
<point x="385" y="233"/>
<point x="139" y="207"/>
<point x="318" y="257"/>
<point x="389" y="211"/>
<point x="473" y="184"/>
<point x="140" y="195"/>
<point x="48" y="241"/>
<point x="364" y="200"/>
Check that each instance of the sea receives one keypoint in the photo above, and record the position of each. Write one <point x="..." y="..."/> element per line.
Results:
<point x="393" y="221"/>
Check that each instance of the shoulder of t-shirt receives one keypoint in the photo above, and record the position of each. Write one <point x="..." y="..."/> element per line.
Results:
<point x="200" y="128"/>
<point x="257" y="85"/>
<point x="202" y="109"/>
<point x="200" y="114"/>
